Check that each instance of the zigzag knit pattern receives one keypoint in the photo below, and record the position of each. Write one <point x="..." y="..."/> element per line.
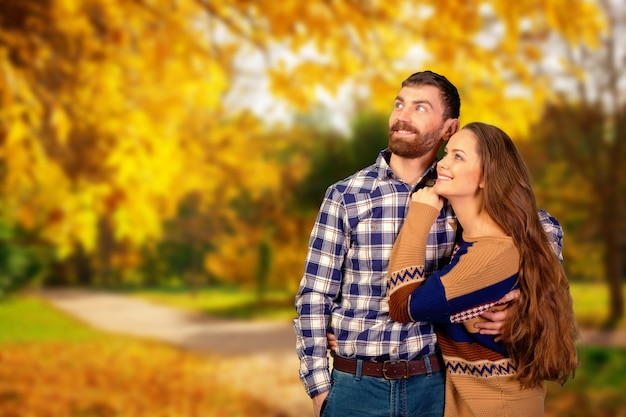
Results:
<point x="471" y="313"/>
<point x="404" y="276"/>
<point x="482" y="369"/>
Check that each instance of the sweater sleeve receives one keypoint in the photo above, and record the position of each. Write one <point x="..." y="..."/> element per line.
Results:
<point x="406" y="264"/>
<point x="479" y="275"/>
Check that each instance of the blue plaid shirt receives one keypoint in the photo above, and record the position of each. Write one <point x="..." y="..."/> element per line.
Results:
<point x="343" y="289"/>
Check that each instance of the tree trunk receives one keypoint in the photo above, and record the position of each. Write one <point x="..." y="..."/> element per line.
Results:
<point x="614" y="266"/>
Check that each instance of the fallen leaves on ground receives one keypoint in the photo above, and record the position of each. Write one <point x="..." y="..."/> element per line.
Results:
<point x="121" y="379"/>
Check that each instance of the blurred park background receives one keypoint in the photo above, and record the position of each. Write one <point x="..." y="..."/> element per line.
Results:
<point x="178" y="151"/>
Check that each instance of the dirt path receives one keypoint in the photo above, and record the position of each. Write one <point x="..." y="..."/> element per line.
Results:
<point x="264" y="351"/>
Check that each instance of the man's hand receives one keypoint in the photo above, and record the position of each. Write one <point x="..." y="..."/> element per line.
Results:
<point x="332" y="341"/>
<point x="495" y="319"/>
<point x="318" y="401"/>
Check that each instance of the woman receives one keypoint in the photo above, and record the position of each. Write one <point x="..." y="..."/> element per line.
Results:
<point x="503" y="246"/>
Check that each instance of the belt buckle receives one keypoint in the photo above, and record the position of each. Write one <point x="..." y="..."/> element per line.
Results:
<point x="396" y="362"/>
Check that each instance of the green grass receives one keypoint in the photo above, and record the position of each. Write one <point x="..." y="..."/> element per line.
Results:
<point x="27" y="319"/>
<point x="591" y="304"/>
<point x="598" y="388"/>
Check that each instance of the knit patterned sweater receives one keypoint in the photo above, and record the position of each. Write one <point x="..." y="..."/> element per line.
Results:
<point x="479" y="380"/>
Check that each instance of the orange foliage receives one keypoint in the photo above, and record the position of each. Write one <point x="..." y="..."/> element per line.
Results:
<point x="66" y="380"/>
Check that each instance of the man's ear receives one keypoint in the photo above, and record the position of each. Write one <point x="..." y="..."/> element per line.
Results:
<point x="451" y="126"/>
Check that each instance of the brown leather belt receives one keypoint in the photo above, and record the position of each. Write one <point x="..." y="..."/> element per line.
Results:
<point x="397" y="369"/>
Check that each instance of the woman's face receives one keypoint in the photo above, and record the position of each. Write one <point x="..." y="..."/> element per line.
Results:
<point x="459" y="172"/>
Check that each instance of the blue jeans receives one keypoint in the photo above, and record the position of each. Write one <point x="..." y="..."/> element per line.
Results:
<point x="361" y="396"/>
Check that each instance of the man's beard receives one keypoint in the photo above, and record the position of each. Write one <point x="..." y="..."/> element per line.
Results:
<point x="422" y="144"/>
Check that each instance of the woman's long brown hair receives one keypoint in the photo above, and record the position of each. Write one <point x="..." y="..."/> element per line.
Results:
<point x="540" y="331"/>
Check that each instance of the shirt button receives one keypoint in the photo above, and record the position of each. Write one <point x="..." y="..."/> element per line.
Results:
<point x="394" y="350"/>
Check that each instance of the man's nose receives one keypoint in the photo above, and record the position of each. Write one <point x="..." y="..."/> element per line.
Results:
<point x="403" y="114"/>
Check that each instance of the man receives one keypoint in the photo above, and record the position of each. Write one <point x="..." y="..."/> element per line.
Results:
<point x="380" y="367"/>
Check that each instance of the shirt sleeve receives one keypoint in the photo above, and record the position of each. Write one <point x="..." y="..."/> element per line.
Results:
<point x="319" y="286"/>
<point x="554" y="231"/>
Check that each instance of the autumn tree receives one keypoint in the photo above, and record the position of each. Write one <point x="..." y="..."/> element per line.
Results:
<point x="95" y="100"/>
<point x="584" y="133"/>
<point x="486" y="47"/>
<point x="114" y="112"/>
<point x="112" y="115"/>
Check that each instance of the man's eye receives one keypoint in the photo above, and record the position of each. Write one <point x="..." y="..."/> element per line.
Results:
<point x="398" y="105"/>
<point x="421" y="108"/>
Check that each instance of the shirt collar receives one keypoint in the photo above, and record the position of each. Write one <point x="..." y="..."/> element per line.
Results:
<point x="384" y="170"/>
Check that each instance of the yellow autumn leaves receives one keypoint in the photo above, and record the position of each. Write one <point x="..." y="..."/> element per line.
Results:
<point x="114" y="112"/>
